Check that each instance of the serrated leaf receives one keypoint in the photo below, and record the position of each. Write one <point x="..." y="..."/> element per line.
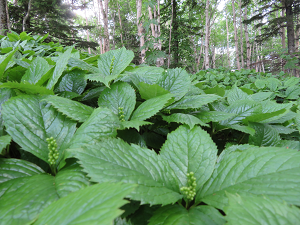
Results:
<point x="214" y="116"/>
<point x="145" y="74"/>
<point x="291" y="81"/>
<point x="59" y="68"/>
<point x="265" y="135"/>
<point x="236" y="94"/>
<point x="72" y="109"/>
<point x="29" y="122"/>
<point x="73" y="81"/>
<point x="273" y="83"/>
<point x="177" y="215"/>
<point x="242" y="109"/>
<point x="27" y="88"/>
<point x="134" y="124"/>
<point x="283" y="130"/>
<point x="215" y="90"/>
<point x="150" y="107"/>
<point x="263" y="116"/>
<point x="193" y="102"/>
<point x="273" y="172"/>
<point x="190" y="151"/>
<point x="292" y="92"/>
<point x="260" y="84"/>
<point x="101" y="78"/>
<point x="36" y="70"/>
<point x="97" y="204"/>
<point x="15" y="168"/>
<point x="82" y="65"/>
<point x="102" y="123"/>
<point x="4" y="60"/>
<point x="119" y="94"/>
<point x="244" y="210"/>
<point x="177" y="81"/>
<point x="113" y="160"/>
<point x="148" y="91"/>
<point x="4" y="142"/>
<point x="184" y="119"/>
<point x="260" y="96"/>
<point x="70" y="179"/>
<point x="20" y="204"/>
<point x="245" y="129"/>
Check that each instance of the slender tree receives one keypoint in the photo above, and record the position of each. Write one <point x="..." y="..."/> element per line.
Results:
<point x="140" y="29"/>
<point x="3" y="18"/>
<point x="237" y="54"/>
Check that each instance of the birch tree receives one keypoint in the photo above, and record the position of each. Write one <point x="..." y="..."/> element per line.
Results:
<point x="3" y="18"/>
<point x="207" y="35"/>
<point x="140" y="29"/>
<point x="104" y="12"/>
<point x="235" y="37"/>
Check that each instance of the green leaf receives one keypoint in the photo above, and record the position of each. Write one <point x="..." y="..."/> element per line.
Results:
<point x="244" y="210"/>
<point x="150" y="107"/>
<point x="236" y="94"/>
<point x="59" y="68"/>
<point x="292" y="92"/>
<point x="113" y="160"/>
<point x="102" y="123"/>
<point x="260" y="84"/>
<point x="25" y="198"/>
<point x="148" y="91"/>
<point x="101" y="78"/>
<point x="145" y="74"/>
<point x="289" y="144"/>
<point x="263" y="116"/>
<point x="73" y="62"/>
<point x="245" y="129"/>
<point x="265" y="135"/>
<point x="4" y="60"/>
<point x="273" y="172"/>
<point x="73" y="81"/>
<point x="4" y="142"/>
<point x="291" y="81"/>
<point x="193" y="102"/>
<point x="29" y="122"/>
<point x="214" y="116"/>
<point x="271" y="106"/>
<point x="190" y="151"/>
<point x="184" y="119"/>
<point x="260" y="96"/>
<point x="178" y="215"/>
<point x="97" y="204"/>
<point x="72" y="109"/>
<point x="273" y="83"/>
<point x="215" y="90"/>
<point x="282" y="129"/>
<point x="70" y="179"/>
<point x="15" y="168"/>
<point x="27" y="88"/>
<point x="119" y="94"/>
<point x="134" y="124"/>
<point x="242" y="109"/>
<point x="177" y="81"/>
<point x="36" y="70"/>
<point x="122" y="57"/>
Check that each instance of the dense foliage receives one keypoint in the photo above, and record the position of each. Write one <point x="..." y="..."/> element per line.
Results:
<point x="78" y="134"/>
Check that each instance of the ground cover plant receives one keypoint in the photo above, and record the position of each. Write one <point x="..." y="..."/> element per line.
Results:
<point x="90" y="139"/>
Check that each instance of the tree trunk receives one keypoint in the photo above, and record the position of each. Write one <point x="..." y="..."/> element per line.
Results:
<point x="241" y="35"/>
<point x="297" y="33"/>
<point x="235" y="38"/>
<point x="3" y="18"/>
<point x="105" y="21"/>
<point x="200" y="54"/>
<point x="120" y="22"/>
<point x="100" y="27"/>
<point x="140" y="29"/>
<point x="248" y="60"/>
<point x="87" y="31"/>
<point x="228" y="53"/>
<point x="207" y="26"/>
<point x="175" y="34"/>
<point x="213" y="57"/>
<point x="170" y="37"/>
<point x="161" y="60"/>
<point x="290" y="29"/>
<point x="283" y="31"/>
<point x="27" y="15"/>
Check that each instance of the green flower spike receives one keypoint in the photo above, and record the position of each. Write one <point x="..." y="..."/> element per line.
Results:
<point x="121" y="114"/>
<point x="53" y="152"/>
<point x="112" y="65"/>
<point x="190" y="190"/>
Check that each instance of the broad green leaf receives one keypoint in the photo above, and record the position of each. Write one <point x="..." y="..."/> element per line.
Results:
<point x="263" y="116"/>
<point x="291" y="81"/>
<point x="289" y="144"/>
<point x="113" y="160"/>
<point x="260" y="84"/>
<point x="242" y="109"/>
<point x="4" y="142"/>
<point x="245" y="129"/>
<point x="59" y="68"/>
<point x="282" y="129"/>
<point x="15" y="168"/>
<point x="260" y="96"/>
<point x="273" y="83"/>
<point x="92" y="93"/>
<point x="215" y="90"/>
<point x="177" y="81"/>
<point x="73" y="62"/>
<point x="193" y="102"/>
<point x="119" y="94"/>
<point x="101" y="78"/>
<point x="73" y="81"/>
<point x="102" y="123"/>
<point x="25" y="198"/>
<point x="273" y="172"/>
<point x="214" y="116"/>
<point x="122" y="59"/>
<point x="148" y="91"/>
<point x="292" y="92"/>
<point x="178" y="215"/>
<point x="36" y="70"/>
<point x="150" y="107"/>
<point x="134" y="124"/>
<point x="243" y="210"/>
<point x="72" y="109"/>
<point x="145" y="74"/>
<point x="29" y="122"/>
<point x="184" y="119"/>
<point x="27" y="88"/>
<point x="70" y="179"/>
<point x="4" y="60"/>
<point x="289" y="115"/>
<point x="97" y="204"/>
<point x="271" y="106"/>
<point x="190" y="151"/>
<point x="265" y="135"/>
<point x="236" y="94"/>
